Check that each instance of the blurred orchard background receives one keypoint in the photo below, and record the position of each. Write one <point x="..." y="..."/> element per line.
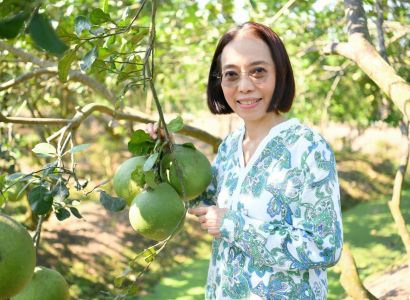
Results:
<point x="77" y="72"/>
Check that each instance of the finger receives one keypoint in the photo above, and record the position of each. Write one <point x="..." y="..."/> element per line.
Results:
<point x="151" y="131"/>
<point x="198" y="211"/>
<point x="202" y="219"/>
<point x="214" y="231"/>
<point x="155" y="127"/>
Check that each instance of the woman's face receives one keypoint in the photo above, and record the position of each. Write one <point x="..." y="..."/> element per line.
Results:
<point x="248" y="76"/>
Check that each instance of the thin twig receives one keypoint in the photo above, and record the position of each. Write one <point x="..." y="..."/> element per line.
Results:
<point x="37" y="235"/>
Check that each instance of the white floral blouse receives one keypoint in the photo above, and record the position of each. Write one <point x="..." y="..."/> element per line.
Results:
<point x="283" y="227"/>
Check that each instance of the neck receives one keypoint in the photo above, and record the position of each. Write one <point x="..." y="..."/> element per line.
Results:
<point x="257" y="130"/>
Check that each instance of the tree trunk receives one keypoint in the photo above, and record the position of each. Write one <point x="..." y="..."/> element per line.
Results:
<point x="394" y="203"/>
<point x="362" y="52"/>
<point x="350" y="279"/>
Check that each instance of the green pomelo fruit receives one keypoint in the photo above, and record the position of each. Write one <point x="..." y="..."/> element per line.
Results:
<point x="195" y="169"/>
<point x="124" y="186"/>
<point x="46" y="284"/>
<point x="17" y="257"/>
<point x="155" y="213"/>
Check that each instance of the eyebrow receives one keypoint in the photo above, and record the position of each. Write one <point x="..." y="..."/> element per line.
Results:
<point x="258" y="62"/>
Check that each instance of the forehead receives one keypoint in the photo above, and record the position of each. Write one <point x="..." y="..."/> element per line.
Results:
<point x="245" y="49"/>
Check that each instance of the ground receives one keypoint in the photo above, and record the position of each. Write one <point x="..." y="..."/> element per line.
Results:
<point x="392" y="285"/>
<point x="106" y="234"/>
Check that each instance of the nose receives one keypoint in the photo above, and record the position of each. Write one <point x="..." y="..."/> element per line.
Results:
<point x="245" y="84"/>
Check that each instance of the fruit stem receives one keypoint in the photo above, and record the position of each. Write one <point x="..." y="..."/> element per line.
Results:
<point x="149" y="74"/>
<point x="37" y="235"/>
<point x="162" y="122"/>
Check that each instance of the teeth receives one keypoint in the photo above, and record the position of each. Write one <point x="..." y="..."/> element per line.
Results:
<point x="248" y="102"/>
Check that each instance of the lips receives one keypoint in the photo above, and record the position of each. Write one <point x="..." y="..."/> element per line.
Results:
<point x="248" y="102"/>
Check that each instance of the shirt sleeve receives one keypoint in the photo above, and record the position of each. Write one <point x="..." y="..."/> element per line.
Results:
<point x="209" y="196"/>
<point x="312" y="238"/>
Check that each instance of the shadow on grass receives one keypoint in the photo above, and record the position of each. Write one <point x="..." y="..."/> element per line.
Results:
<point x="184" y="283"/>
<point x="92" y="252"/>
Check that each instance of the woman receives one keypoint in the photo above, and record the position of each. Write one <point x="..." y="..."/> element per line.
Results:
<point x="273" y="205"/>
<point x="276" y="216"/>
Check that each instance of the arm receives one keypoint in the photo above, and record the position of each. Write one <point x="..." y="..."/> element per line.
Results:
<point x="313" y="236"/>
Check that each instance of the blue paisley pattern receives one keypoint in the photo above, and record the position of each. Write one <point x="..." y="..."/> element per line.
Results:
<point x="283" y="226"/>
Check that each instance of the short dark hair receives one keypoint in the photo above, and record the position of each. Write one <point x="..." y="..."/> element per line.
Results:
<point x="284" y="91"/>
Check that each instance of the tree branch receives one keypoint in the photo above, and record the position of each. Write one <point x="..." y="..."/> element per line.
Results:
<point x="26" y="57"/>
<point x="362" y="52"/>
<point x="87" y="110"/>
<point x="380" y="32"/>
<point x="281" y="11"/>
<point x="356" y="19"/>
<point x="35" y="73"/>
<point x="49" y="67"/>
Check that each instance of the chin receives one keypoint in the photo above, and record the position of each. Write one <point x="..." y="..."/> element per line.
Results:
<point x="251" y="117"/>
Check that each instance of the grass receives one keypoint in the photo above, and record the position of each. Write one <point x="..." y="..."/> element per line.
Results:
<point x="368" y="229"/>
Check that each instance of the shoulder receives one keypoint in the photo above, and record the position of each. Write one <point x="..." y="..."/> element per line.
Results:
<point x="305" y="139"/>
<point x="230" y="142"/>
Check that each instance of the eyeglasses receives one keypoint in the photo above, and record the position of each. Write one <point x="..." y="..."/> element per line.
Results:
<point x="231" y="78"/>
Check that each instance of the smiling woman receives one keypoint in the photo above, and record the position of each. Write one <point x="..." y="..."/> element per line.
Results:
<point x="273" y="205"/>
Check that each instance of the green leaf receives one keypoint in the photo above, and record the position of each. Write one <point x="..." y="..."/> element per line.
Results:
<point x="44" y="35"/>
<point x="45" y="150"/>
<point x="103" y="53"/>
<point x="64" y="65"/>
<point x="14" y="177"/>
<point x="97" y="31"/>
<point x="105" y="6"/>
<point x="62" y="214"/>
<point x="89" y="59"/>
<point x="150" y="162"/>
<point x="110" y="41"/>
<point x="49" y="168"/>
<point x="253" y="4"/>
<point x="40" y="200"/>
<point x="98" y="17"/>
<point x="139" y="35"/>
<point x="141" y="143"/>
<point x="118" y="281"/>
<point x="10" y="27"/>
<point x="150" y="179"/>
<point x="176" y="124"/>
<point x="79" y="148"/>
<point x="110" y="203"/>
<point x="81" y="23"/>
<point x="138" y="176"/>
<point x="132" y="289"/>
<point x="139" y="136"/>
<point x="141" y="148"/>
<point x="60" y="192"/>
<point x="122" y="76"/>
<point x="2" y="180"/>
<point x="75" y="212"/>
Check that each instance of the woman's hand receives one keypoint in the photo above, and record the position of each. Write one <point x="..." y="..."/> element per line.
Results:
<point x="152" y="130"/>
<point x="210" y="218"/>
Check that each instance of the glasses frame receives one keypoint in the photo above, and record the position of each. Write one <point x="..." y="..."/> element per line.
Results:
<point x="236" y="82"/>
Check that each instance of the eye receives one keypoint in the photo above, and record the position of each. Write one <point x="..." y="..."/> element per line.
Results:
<point x="230" y="75"/>
<point x="258" y="72"/>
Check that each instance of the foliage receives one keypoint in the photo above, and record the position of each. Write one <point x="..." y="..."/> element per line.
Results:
<point x="78" y="52"/>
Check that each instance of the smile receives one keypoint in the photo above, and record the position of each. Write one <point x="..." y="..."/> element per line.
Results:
<point x="248" y="103"/>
